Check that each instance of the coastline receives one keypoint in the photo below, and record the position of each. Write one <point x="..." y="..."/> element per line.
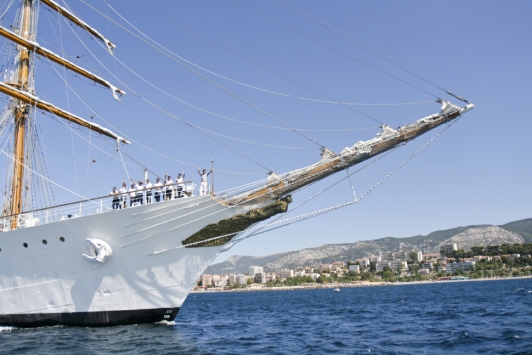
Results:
<point x="354" y="285"/>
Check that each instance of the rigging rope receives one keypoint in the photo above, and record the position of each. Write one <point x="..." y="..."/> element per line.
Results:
<point x="44" y="177"/>
<point x="367" y="48"/>
<point x="245" y="122"/>
<point x="274" y="71"/>
<point x="123" y="163"/>
<point x="333" y="48"/>
<point x="166" y="112"/>
<point x="328" y="188"/>
<point x="196" y="72"/>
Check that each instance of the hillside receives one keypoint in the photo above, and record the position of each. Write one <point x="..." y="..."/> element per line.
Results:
<point x="464" y="237"/>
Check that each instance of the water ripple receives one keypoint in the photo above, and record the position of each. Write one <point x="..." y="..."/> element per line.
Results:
<point x="452" y="318"/>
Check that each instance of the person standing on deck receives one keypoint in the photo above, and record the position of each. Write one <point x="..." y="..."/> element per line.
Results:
<point x="149" y="186"/>
<point x="140" y="192"/>
<point x="168" y="184"/>
<point x="180" y="185"/>
<point x="203" y="183"/>
<point x="116" y="198"/>
<point x="123" y="197"/>
<point x="132" y="194"/>
<point x="158" y="185"/>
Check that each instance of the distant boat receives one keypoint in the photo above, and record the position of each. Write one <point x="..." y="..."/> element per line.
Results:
<point x="336" y="290"/>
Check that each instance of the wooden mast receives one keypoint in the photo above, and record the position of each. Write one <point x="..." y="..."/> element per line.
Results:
<point x="21" y="115"/>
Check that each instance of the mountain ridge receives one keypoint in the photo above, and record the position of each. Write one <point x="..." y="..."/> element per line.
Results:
<point x="465" y="237"/>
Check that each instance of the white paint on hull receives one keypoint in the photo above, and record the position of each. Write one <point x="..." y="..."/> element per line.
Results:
<point x="55" y="277"/>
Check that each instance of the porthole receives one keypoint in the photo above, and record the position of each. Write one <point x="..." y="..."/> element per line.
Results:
<point x="62" y="239"/>
<point x="44" y="241"/>
<point x="25" y="245"/>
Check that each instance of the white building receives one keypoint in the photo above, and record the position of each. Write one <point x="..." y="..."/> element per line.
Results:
<point x="255" y="270"/>
<point x="426" y="266"/>
<point x="449" y="248"/>
<point x="325" y="267"/>
<point x="355" y="268"/>
<point x="260" y="278"/>
<point x="206" y="280"/>
<point x="380" y="266"/>
<point x="284" y="274"/>
<point x="418" y="256"/>
<point x="221" y="284"/>
<point x="231" y="279"/>
<point x="241" y="279"/>
<point x="301" y="273"/>
<point x="339" y="264"/>
<point x="465" y="266"/>
<point x="270" y="277"/>
<point x="423" y="271"/>
<point x="398" y="265"/>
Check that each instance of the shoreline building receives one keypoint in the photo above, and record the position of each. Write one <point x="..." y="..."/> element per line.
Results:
<point x="253" y="270"/>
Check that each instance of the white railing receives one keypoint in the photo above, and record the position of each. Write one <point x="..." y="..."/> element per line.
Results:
<point x="101" y="204"/>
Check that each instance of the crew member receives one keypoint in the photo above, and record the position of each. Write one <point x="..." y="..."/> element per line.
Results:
<point x="116" y="198"/>
<point x="203" y="183"/>
<point x="180" y="185"/>
<point x="132" y="194"/>
<point x="149" y="186"/>
<point x="123" y="192"/>
<point x="168" y="183"/>
<point x="158" y="185"/>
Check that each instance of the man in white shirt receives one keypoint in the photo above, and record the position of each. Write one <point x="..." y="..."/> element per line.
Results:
<point x="158" y="185"/>
<point x="149" y="186"/>
<point x="140" y="192"/>
<point x="168" y="183"/>
<point x="203" y="183"/>
<point x="123" y="191"/>
<point x="180" y="185"/>
<point x="132" y="194"/>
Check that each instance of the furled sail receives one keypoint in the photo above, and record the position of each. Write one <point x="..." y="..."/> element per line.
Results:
<point x="74" y="19"/>
<point x="34" y="46"/>
<point x="43" y="105"/>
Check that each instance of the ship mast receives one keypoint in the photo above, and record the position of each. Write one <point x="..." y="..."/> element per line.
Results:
<point x="21" y="113"/>
<point x="21" y="90"/>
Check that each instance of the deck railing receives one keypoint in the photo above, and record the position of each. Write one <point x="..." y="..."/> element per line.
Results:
<point x="100" y="204"/>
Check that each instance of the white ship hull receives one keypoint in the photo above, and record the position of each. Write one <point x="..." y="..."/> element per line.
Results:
<point x="53" y="283"/>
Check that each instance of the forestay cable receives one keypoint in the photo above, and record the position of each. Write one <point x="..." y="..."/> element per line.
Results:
<point x="369" y="49"/>
<point x="333" y="48"/>
<point x="269" y="69"/>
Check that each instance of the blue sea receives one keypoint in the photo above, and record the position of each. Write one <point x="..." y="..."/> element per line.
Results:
<point x="488" y="317"/>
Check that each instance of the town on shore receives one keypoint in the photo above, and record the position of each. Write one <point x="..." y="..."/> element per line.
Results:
<point x="451" y="264"/>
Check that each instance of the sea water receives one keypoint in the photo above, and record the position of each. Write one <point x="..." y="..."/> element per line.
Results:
<point x="487" y="317"/>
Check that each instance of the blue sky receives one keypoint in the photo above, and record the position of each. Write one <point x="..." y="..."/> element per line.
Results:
<point x="477" y="172"/>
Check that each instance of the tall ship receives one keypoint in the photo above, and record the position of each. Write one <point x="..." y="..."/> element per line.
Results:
<point x="109" y="260"/>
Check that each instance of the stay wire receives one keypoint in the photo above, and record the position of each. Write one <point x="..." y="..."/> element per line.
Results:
<point x="333" y="101"/>
<point x="140" y="144"/>
<point x="245" y="122"/>
<point x="172" y="57"/>
<point x="367" y="48"/>
<point x="334" y="49"/>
